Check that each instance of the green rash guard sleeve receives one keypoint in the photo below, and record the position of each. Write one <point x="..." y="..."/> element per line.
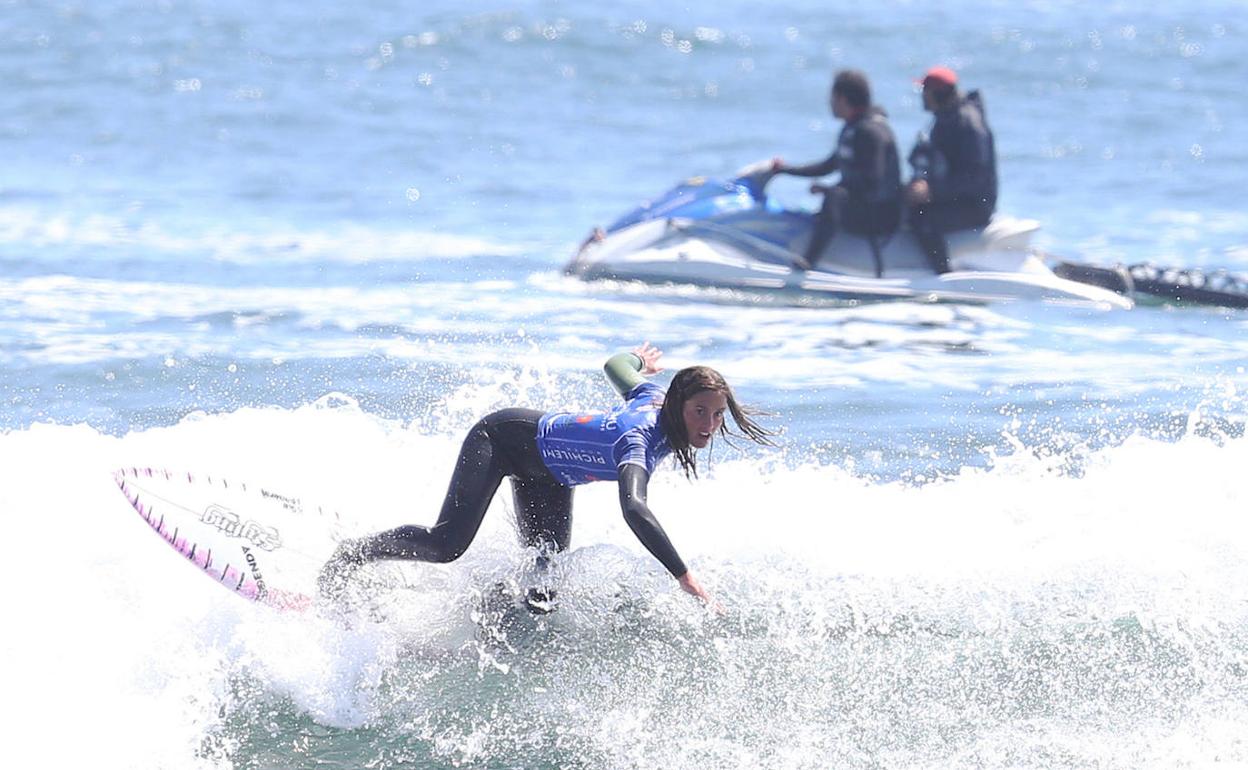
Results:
<point x="624" y="372"/>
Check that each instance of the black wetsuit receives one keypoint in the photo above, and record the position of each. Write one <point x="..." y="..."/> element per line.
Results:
<point x="501" y="444"/>
<point x="504" y="444"/>
<point x="959" y="163"/>
<point x="867" y="200"/>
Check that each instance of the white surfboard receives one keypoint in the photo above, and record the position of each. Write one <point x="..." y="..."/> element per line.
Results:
<point x="261" y="544"/>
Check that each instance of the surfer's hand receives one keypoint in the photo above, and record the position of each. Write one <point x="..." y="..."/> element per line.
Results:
<point x="918" y="192"/>
<point x="649" y="356"/>
<point x="691" y="586"/>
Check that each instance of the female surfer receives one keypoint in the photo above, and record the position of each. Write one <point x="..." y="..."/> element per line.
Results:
<point x="547" y="455"/>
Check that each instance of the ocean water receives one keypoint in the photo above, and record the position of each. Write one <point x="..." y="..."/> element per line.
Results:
<point x="309" y="244"/>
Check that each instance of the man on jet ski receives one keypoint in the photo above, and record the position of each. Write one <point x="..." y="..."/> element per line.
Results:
<point x="867" y="200"/>
<point x="955" y="172"/>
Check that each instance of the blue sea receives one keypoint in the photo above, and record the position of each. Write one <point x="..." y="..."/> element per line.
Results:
<point x="309" y="244"/>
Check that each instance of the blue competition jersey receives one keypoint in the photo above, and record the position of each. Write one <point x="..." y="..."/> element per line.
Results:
<point x="591" y="446"/>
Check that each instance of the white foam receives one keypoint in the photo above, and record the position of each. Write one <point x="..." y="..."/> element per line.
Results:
<point x="110" y="629"/>
<point x="348" y="243"/>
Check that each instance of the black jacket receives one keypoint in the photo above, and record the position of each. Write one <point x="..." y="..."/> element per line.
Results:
<point x="866" y="156"/>
<point x="960" y="164"/>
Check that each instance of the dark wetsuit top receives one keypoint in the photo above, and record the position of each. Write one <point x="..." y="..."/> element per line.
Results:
<point x="866" y="156"/>
<point x="962" y="168"/>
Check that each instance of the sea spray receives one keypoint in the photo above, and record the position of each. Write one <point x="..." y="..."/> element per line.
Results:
<point x="865" y="621"/>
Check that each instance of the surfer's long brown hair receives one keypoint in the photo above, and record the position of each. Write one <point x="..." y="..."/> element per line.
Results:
<point x="688" y="383"/>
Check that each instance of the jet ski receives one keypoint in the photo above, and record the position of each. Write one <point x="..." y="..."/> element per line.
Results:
<point x="730" y="234"/>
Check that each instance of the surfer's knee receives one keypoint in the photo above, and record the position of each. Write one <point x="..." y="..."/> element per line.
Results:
<point x="447" y="552"/>
<point x="444" y="547"/>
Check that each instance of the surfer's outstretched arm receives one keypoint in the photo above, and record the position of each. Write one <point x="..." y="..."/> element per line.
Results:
<point x="626" y="371"/>
<point x="633" y="482"/>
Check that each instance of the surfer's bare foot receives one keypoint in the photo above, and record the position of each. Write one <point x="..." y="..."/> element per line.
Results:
<point x="540" y="601"/>
<point x="801" y="264"/>
<point x="337" y="572"/>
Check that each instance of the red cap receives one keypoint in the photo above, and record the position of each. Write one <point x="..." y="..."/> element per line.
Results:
<point x="941" y="75"/>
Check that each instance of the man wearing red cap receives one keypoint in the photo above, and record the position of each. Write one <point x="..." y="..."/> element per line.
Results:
<point x="867" y="200"/>
<point x="955" y="172"/>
